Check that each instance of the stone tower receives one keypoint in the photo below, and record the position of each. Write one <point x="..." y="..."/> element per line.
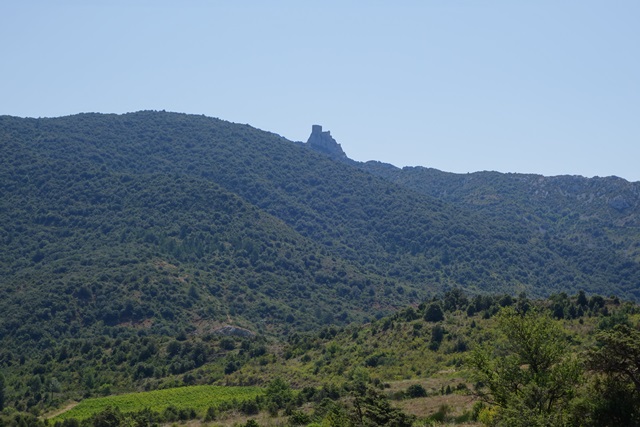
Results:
<point x="323" y="142"/>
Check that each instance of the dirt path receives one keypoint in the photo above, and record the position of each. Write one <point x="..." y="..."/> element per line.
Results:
<point x="60" y="411"/>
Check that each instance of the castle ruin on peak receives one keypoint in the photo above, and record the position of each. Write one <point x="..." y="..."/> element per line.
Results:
<point x="322" y="142"/>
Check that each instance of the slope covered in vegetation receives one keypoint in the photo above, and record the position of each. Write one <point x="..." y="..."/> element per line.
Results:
<point x="593" y="212"/>
<point x="130" y="241"/>
<point x="145" y="180"/>
<point x="444" y="361"/>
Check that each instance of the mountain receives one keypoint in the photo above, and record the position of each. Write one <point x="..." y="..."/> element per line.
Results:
<point x="171" y="222"/>
<point x="594" y="212"/>
<point x="152" y="249"/>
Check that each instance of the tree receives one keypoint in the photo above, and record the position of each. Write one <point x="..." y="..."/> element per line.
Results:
<point x="596" y="302"/>
<point x="372" y="408"/>
<point x="617" y="393"/>
<point x="109" y="417"/>
<point x="2" y="396"/>
<point x="618" y="354"/>
<point x="437" y="334"/>
<point x="582" y="299"/>
<point x="523" y="305"/>
<point x="434" y="313"/>
<point x="455" y="299"/>
<point x="528" y="376"/>
<point x="278" y="393"/>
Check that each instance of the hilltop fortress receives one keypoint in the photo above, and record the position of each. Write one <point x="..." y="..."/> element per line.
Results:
<point x="323" y="142"/>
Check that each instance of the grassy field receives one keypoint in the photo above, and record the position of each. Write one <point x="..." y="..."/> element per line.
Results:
<point x="196" y="397"/>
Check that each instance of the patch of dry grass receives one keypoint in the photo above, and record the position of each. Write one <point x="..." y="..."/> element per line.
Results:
<point x="426" y="406"/>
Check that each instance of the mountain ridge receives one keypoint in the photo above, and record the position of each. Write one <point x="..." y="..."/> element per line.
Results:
<point x="87" y="197"/>
<point x="132" y="243"/>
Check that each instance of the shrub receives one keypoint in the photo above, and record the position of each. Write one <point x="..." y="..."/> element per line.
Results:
<point x="416" y="390"/>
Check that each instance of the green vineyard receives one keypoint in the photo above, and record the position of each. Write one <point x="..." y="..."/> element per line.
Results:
<point x="198" y="398"/>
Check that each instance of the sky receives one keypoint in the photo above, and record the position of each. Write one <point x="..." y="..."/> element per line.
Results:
<point x="548" y="87"/>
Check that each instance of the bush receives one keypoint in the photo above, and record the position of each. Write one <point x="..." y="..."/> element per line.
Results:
<point x="441" y="414"/>
<point x="299" y="418"/>
<point x="416" y="390"/>
<point x="110" y="417"/>
<point x="249" y="407"/>
<point x="212" y="414"/>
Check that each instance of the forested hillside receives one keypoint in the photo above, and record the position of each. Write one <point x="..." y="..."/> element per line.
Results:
<point x="154" y="216"/>
<point x="451" y="360"/>
<point x="593" y="212"/>
<point x="131" y="242"/>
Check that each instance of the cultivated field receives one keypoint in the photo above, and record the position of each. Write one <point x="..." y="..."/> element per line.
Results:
<point x="198" y="398"/>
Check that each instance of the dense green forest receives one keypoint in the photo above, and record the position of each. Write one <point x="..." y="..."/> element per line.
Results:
<point x="152" y="250"/>
<point x="593" y="212"/>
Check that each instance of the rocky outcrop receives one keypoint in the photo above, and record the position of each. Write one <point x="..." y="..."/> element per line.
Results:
<point x="234" y="331"/>
<point x="324" y="143"/>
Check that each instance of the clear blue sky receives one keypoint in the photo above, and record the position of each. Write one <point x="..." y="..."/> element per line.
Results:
<point x="550" y="87"/>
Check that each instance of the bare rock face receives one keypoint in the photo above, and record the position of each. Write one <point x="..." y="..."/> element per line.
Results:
<point x="234" y="331"/>
<point x="324" y="143"/>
